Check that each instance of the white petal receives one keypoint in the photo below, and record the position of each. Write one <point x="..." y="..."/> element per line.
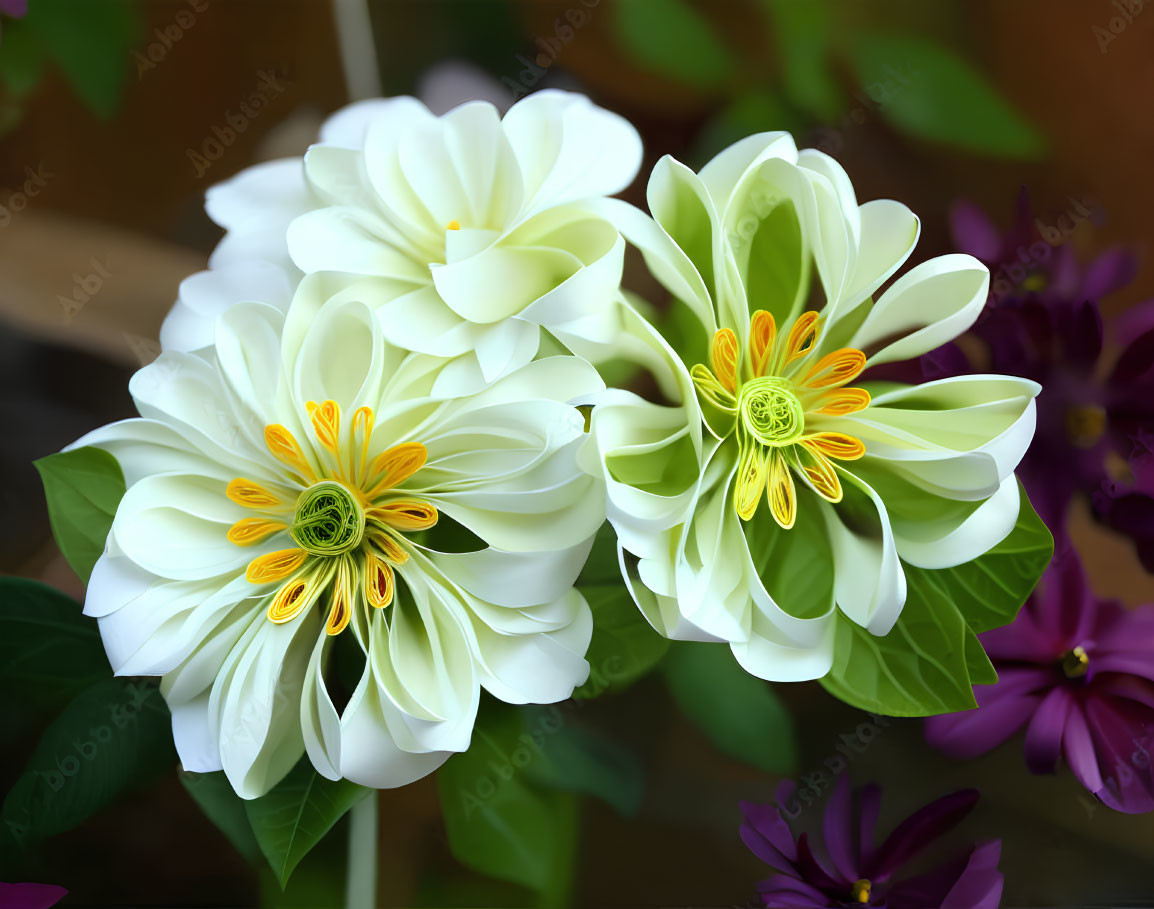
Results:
<point x="192" y="733"/>
<point x="204" y="296"/>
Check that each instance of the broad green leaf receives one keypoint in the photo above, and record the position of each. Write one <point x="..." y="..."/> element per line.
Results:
<point x="90" y="41"/>
<point x="83" y="487"/>
<point x="671" y="38"/>
<point x="221" y="805"/>
<point x="112" y="737"/>
<point x="978" y="665"/>
<point x="21" y="58"/>
<point x="48" y="648"/>
<point x="802" y="33"/>
<point x="577" y="759"/>
<point x="499" y="824"/>
<point x="929" y="91"/>
<point x="918" y="669"/>
<point x="991" y="589"/>
<point x="291" y="819"/>
<point x="740" y="714"/>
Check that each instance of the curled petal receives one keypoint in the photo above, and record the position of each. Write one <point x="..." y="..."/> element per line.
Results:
<point x="405" y="515"/>
<point x="247" y="531"/>
<point x="750" y="480"/>
<point x="251" y="495"/>
<point x="287" y="450"/>
<point x="326" y="420"/>
<point x="379" y="582"/>
<point x="842" y="401"/>
<point x="819" y="471"/>
<point x="781" y="492"/>
<point x="762" y="334"/>
<point x="802" y="336"/>
<point x="723" y="357"/>
<point x="275" y="566"/>
<point x="711" y="389"/>
<point x="397" y="464"/>
<point x="836" y="368"/>
<point x="835" y="445"/>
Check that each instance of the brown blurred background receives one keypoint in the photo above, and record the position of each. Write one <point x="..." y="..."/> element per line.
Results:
<point x="122" y="190"/>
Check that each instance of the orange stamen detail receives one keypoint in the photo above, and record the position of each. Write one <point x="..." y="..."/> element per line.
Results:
<point x="326" y="420"/>
<point x="388" y="547"/>
<point x="836" y="445"/>
<point x="379" y="582"/>
<point x="453" y="225"/>
<point x="723" y="356"/>
<point x="762" y="334"/>
<point x="836" y="368"/>
<point x="287" y="450"/>
<point x="251" y="495"/>
<point x="844" y="401"/>
<point x="247" y="531"/>
<point x="405" y="515"/>
<point x="802" y="336"/>
<point x="396" y="464"/>
<point x="275" y="566"/>
<point x="289" y="601"/>
<point x="341" y="609"/>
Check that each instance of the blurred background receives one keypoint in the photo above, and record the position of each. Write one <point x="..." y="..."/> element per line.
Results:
<point x="110" y="111"/>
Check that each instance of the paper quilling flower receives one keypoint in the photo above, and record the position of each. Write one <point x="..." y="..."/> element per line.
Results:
<point x="782" y="487"/>
<point x="1078" y="674"/>
<point x="475" y="231"/>
<point x="294" y="494"/>
<point x="854" y="870"/>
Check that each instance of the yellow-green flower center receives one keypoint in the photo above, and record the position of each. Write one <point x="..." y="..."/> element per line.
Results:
<point x="328" y="520"/>
<point x="770" y="411"/>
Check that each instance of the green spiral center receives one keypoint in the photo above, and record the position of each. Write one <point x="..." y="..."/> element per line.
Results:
<point x="328" y="520"/>
<point x="770" y="411"/>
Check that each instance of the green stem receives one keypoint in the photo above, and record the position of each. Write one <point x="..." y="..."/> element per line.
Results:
<point x="361" y="883"/>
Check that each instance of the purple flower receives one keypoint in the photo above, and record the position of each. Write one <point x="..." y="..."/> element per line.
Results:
<point x="1127" y="503"/>
<point x="1042" y="322"/>
<point x="1078" y="673"/>
<point x="14" y="8"/>
<point x="853" y="871"/>
<point x="30" y="896"/>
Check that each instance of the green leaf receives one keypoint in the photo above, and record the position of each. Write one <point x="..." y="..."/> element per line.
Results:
<point x="577" y="759"/>
<point x="672" y="39"/>
<point x="114" y="736"/>
<point x="496" y="822"/>
<point x="221" y="805"/>
<point x="978" y="665"/>
<point x="90" y="42"/>
<point x="292" y="818"/>
<point x="48" y="649"/>
<point x="802" y="32"/>
<point x="21" y="58"/>
<point x="930" y="92"/>
<point x="991" y="589"/>
<point x="740" y="714"/>
<point x="83" y="487"/>
<point x="918" y="669"/>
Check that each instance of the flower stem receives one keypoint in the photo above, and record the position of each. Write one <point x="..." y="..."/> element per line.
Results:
<point x="361" y="883"/>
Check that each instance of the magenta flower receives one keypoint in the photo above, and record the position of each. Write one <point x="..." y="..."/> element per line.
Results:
<point x="30" y="896"/>
<point x="853" y="871"/>
<point x="1078" y="673"/>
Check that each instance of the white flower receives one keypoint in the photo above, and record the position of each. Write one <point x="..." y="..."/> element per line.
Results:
<point x="477" y="231"/>
<point x="288" y="490"/>
<point x="781" y="492"/>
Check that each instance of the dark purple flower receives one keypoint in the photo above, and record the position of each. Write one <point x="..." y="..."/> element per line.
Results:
<point x="1042" y="322"/>
<point x="1078" y="673"/>
<point x="30" y="896"/>
<point x="853" y="871"/>
<point x="14" y="8"/>
<point x="1126" y="502"/>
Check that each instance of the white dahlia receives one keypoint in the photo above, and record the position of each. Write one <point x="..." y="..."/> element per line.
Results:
<point x="319" y="555"/>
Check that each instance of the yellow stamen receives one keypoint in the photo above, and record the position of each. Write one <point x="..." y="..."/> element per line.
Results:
<point x="379" y="581"/>
<point x="405" y="515"/>
<point x="326" y="420"/>
<point x="780" y="491"/>
<point x="453" y="225"/>
<point x="762" y="334"/>
<point x="388" y="547"/>
<point x="247" y="531"/>
<point x="861" y="891"/>
<point x="835" y="369"/>
<point x="1075" y="663"/>
<point x="251" y="495"/>
<point x="723" y="357"/>
<point x="275" y="566"/>
<point x="835" y="445"/>
<point x="750" y="481"/>
<point x="396" y="464"/>
<point x="843" y="401"/>
<point x="802" y="337"/>
<point x="363" y="422"/>
<point x="298" y="594"/>
<point x="819" y="471"/>
<point x="341" y="609"/>
<point x="287" y="450"/>
<point x="711" y="389"/>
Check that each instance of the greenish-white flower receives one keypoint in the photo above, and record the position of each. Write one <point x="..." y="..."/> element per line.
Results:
<point x="781" y="484"/>
<point x="320" y="554"/>
<point x="476" y="231"/>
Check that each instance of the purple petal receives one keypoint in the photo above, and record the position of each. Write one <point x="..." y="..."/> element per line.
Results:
<point x="920" y="829"/>
<point x="1122" y="733"/>
<point x="812" y="868"/>
<point x="1111" y="271"/>
<point x="837" y="828"/>
<point x="1063" y="607"/>
<point x="1044" y="734"/>
<point x="30" y="896"/>
<point x="767" y="836"/>
<point x="974" y="232"/>
<point x="869" y="800"/>
<point x="781" y="892"/>
<point x="1137" y="320"/>
<point x="1078" y="747"/>
<point x="1136" y="364"/>
<point x="980" y="885"/>
<point x="1128" y="687"/>
<point x="14" y="8"/>
<point x="966" y="735"/>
